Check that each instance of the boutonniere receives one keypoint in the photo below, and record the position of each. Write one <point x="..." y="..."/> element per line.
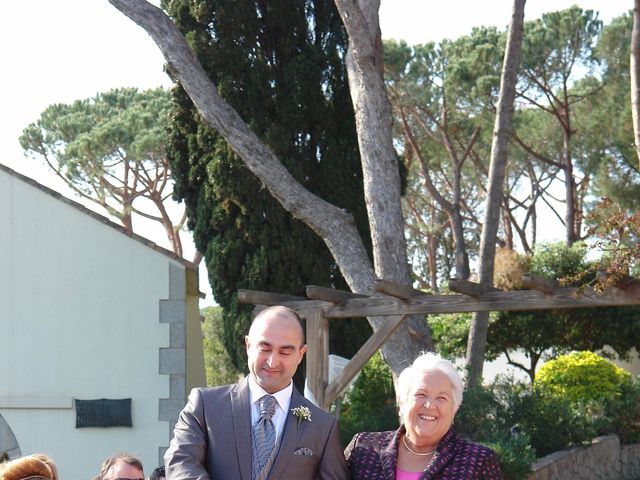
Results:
<point x="301" y="413"/>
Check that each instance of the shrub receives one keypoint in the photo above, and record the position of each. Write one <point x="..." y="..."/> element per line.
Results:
<point x="369" y="406"/>
<point x="515" y="454"/>
<point x="624" y="412"/>
<point x="581" y="378"/>
<point x="552" y="423"/>
<point x="478" y="415"/>
<point x="481" y="419"/>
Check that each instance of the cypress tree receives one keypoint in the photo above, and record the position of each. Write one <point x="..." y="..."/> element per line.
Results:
<point x="280" y="64"/>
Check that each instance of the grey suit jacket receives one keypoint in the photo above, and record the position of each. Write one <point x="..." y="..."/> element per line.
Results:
<point x="212" y="440"/>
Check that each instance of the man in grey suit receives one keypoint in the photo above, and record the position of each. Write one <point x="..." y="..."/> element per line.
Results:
<point x="260" y="428"/>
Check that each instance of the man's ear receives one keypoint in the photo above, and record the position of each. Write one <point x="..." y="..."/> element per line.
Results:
<point x="303" y="350"/>
<point x="247" y="344"/>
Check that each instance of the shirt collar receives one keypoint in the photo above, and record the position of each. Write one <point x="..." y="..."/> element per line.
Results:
<point x="283" y="397"/>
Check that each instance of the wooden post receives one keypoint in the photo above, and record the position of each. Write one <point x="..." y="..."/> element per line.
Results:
<point x="339" y="384"/>
<point x="317" y="354"/>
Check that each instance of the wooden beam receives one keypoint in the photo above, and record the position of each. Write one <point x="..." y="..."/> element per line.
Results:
<point x="395" y="289"/>
<point x="340" y="383"/>
<point x="317" y="354"/>
<point x="330" y="294"/>
<point x="299" y="304"/>
<point x="256" y="297"/>
<point x="469" y="288"/>
<point x="490" y="301"/>
<point x="537" y="282"/>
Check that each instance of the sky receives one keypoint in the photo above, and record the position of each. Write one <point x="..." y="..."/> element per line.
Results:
<point x="64" y="50"/>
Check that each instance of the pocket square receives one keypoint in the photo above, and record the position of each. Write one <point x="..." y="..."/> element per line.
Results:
<point x="304" y="451"/>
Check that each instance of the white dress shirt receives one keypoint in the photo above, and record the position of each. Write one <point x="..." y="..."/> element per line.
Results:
<point x="283" y="400"/>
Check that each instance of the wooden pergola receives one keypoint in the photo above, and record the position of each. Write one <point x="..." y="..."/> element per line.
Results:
<point x="397" y="301"/>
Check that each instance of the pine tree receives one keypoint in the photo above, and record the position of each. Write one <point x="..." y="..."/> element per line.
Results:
<point x="280" y="64"/>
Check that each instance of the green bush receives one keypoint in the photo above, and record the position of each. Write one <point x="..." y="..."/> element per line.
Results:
<point x="581" y="378"/>
<point x="624" y="412"/>
<point x="370" y="405"/>
<point x="551" y="423"/>
<point x="515" y="454"/>
<point x="477" y="417"/>
<point x="482" y="418"/>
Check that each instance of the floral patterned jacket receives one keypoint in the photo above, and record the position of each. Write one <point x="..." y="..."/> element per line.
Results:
<point x="374" y="456"/>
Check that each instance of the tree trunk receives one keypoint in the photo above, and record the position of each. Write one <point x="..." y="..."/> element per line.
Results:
<point x="478" y="332"/>
<point x="380" y="169"/>
<point x="432" y="251"/>
<point x="570" y="191"/>
<point x="634" y="65"/>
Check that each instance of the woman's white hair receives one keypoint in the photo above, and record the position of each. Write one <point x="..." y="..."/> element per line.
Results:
<point x="425" y="363"/>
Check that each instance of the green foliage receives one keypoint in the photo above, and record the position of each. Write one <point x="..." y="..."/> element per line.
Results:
<point x="515" y="453"/>
<point x="450" y="332"/>
<point x="558" y="42"/>
<point x="514" y="414"/>
<point x="369" y="405"/>
<point x="109" y="149"/>
<point x="218" y="365"/>
<point x="608" y="126"/>
<point x="624" y="412"/>
<point x="443" y="97"/>
<point x="552" y="424"/>
<point x="280" y="65"/>
<point x="555" y="260"/>
<point x="548" y="333"/>
<point x="581" y="377"/>
<point x="483" y="418"/>
<point x="476" y="417"/>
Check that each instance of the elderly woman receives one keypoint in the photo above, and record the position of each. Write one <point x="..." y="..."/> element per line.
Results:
<point x="425" y="446"/>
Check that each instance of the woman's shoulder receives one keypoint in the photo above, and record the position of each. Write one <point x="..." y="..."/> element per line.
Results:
<point x="471" y="448"/>
<point x="366" y="450"/>
<point x="467" y="458"/>
<point x="364" y="439"/>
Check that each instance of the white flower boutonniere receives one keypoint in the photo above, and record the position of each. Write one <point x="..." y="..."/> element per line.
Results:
<point x="301" y="413"/>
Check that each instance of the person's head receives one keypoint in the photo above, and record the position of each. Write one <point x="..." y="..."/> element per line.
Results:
<point x="275" y="347"/>
<point x="429" y="394"/>
<point x="157" y="474"/>
<point x="121" y="466"/>
<point x="30" y="467"/>
<point x="49" y="461"/>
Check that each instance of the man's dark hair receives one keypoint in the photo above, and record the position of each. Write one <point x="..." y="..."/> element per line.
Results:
<point x="157" y="474"/>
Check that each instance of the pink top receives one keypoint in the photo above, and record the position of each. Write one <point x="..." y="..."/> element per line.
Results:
<point x="402" y="475"/>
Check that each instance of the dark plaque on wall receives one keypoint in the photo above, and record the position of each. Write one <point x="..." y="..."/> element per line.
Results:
<point x="103" y="412"/>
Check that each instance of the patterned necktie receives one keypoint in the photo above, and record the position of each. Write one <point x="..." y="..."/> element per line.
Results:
<point x="264" y="439"/>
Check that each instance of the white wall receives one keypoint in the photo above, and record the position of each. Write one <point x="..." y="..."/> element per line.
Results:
<point x="79" y="319"/>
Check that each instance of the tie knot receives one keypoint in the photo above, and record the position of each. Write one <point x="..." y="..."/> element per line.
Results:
<point x="267" y="405"/>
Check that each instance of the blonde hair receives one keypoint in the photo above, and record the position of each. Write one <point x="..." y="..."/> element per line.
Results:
<point x="50" y="463"/>
<point x="29" y="467"/>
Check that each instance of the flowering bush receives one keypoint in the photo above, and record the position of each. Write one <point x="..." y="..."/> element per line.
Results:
<point x="581" y="378"/>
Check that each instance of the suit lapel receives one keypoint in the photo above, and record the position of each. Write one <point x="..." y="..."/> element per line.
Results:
<point x="290" y="438"/>
<point x="389" y="455"/>
<point x="241" y="411"/>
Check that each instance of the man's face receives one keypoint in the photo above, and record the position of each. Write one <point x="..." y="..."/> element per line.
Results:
<point x="122" y="470"/>
<point x="274" y="349"/>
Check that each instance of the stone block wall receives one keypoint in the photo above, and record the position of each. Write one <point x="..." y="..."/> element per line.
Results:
<point x="604" y="459"/>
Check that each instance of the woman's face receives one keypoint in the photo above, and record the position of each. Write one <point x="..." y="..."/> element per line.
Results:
<point x="428" y="409"/>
